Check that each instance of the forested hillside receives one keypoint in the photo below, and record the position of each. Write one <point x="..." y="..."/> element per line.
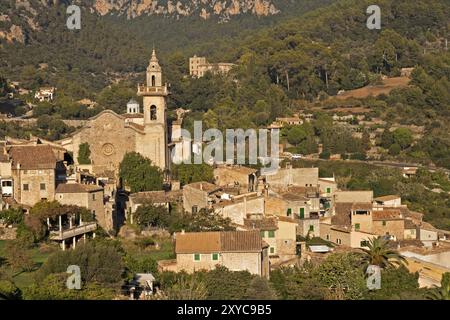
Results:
<point x="286" y="62"/>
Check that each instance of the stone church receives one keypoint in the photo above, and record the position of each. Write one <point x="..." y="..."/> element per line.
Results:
<point x="110" y="135"/>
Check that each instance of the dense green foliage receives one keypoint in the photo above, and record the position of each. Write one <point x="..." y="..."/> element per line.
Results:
<point x="217" y="284"/>
<point x="84" y="154"/>
<point x="292" y="61"/>
<point x="12" y="216"/>
<point x="150" y="215"/>
<point x="190" y="173"/>
<point x="378" y="253"/>
<point x="139" y="174"/>
<point x="101" y="268"/>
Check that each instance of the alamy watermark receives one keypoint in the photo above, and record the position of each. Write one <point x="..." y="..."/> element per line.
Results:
<point x="373" y="277"/>
<point x="374" y="20"/>
<point x="74" y="19"/>
<point x="74" y="280"/>
<point x="239" y="146"/>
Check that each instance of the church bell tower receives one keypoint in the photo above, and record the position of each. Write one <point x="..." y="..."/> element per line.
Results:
<point x="154" y="93"/>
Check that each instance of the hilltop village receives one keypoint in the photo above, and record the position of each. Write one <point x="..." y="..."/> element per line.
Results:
<point x="259" y="223"/>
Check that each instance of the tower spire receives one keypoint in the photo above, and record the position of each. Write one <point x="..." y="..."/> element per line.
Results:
<point x="154" y="58"/>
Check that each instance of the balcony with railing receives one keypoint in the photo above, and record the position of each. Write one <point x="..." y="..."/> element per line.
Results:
<point x="73" y="232"/>
<point x="144" y="90"/>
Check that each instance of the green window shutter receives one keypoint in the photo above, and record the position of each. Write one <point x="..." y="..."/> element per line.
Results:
<point x="357" y="226"/>
<point x="289" y="212"/>
<point x="384" y="223"/>
<point x="311" y="228"/>
<point x="271" y="234"/>
<point x="302" y="213"/>
<point x="196" y="256"/>
<point x="272" y="250"/>
<point x="262" y="234"/>
<point x="215" y="256"/>
<point x="328" y="190"/>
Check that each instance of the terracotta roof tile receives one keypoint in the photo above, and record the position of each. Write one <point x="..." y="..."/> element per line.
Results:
<point x="261" y="224"/>
<point x="342" y="215"/>
<point x="391" y="214"/>
<point x="409" y="224"/>
<point x="203" y="185"/>
<point x="386" y="198"/>
<point x="226" y="241"/>
<point x="362" y="206"/>
<point x="238" y="241"/>
<point x="197" y="242"/>
<point x="33" y="157"/>
<point x="77" y="188"/>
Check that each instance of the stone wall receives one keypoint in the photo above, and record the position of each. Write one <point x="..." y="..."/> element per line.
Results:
<point x="231" y="176"/>
<point x="392" y="227"/>
<point x="294" y="177"/>
<point x="33" y="178"/>
<point x="237" y="211"/>
<point x="353" y="196"/>
<point x="8" y="233"/>
<point x="234" y="261"/>
<point x="108" y="138"/>
<point x="304" y="227"/>
<point x="332" y="235"/>
<point x="194" y="197"/>
<point x="364" y="221"/>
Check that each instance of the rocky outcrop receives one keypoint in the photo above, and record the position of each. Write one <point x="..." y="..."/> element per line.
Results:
<point x="223" y="9"/>
<point x="13" y="34"/>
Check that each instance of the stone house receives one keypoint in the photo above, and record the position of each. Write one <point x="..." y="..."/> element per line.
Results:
<point x="388" y="222"/>
<point x="243" y="177"/>
<point x="278" y="232"/>
<point x="289" y="205"/>
<point x="427" y="234"/>
<point x="239" y="207"/>
<point x="34" y="170"/>
<point x="308" y="227"/>
<point x="411" y="230"/>
<point x="328" y="187"/>
<point x="388" y="201"/>
<point x="235" y="250"/>
<point x="285" y="177"/>
<point x="199" y="66"/>
<point x="311" y="193"/>
<point x="345" y="236"/>
<point x="88" y="196"/>
<point x="156" y="198"/>
<point x="200" y="195"/>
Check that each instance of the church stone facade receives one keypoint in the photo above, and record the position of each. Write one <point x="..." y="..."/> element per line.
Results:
<point x="110" y="136"/>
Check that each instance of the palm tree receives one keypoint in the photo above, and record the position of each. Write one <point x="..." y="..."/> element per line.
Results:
<point x="378" y="253"/>
<point x="443" y="292"/>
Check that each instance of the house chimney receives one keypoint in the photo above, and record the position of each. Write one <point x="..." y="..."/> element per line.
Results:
<point x="182" y="231"/>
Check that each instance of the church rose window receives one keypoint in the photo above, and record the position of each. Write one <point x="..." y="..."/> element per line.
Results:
<point x="108" y="149"/>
